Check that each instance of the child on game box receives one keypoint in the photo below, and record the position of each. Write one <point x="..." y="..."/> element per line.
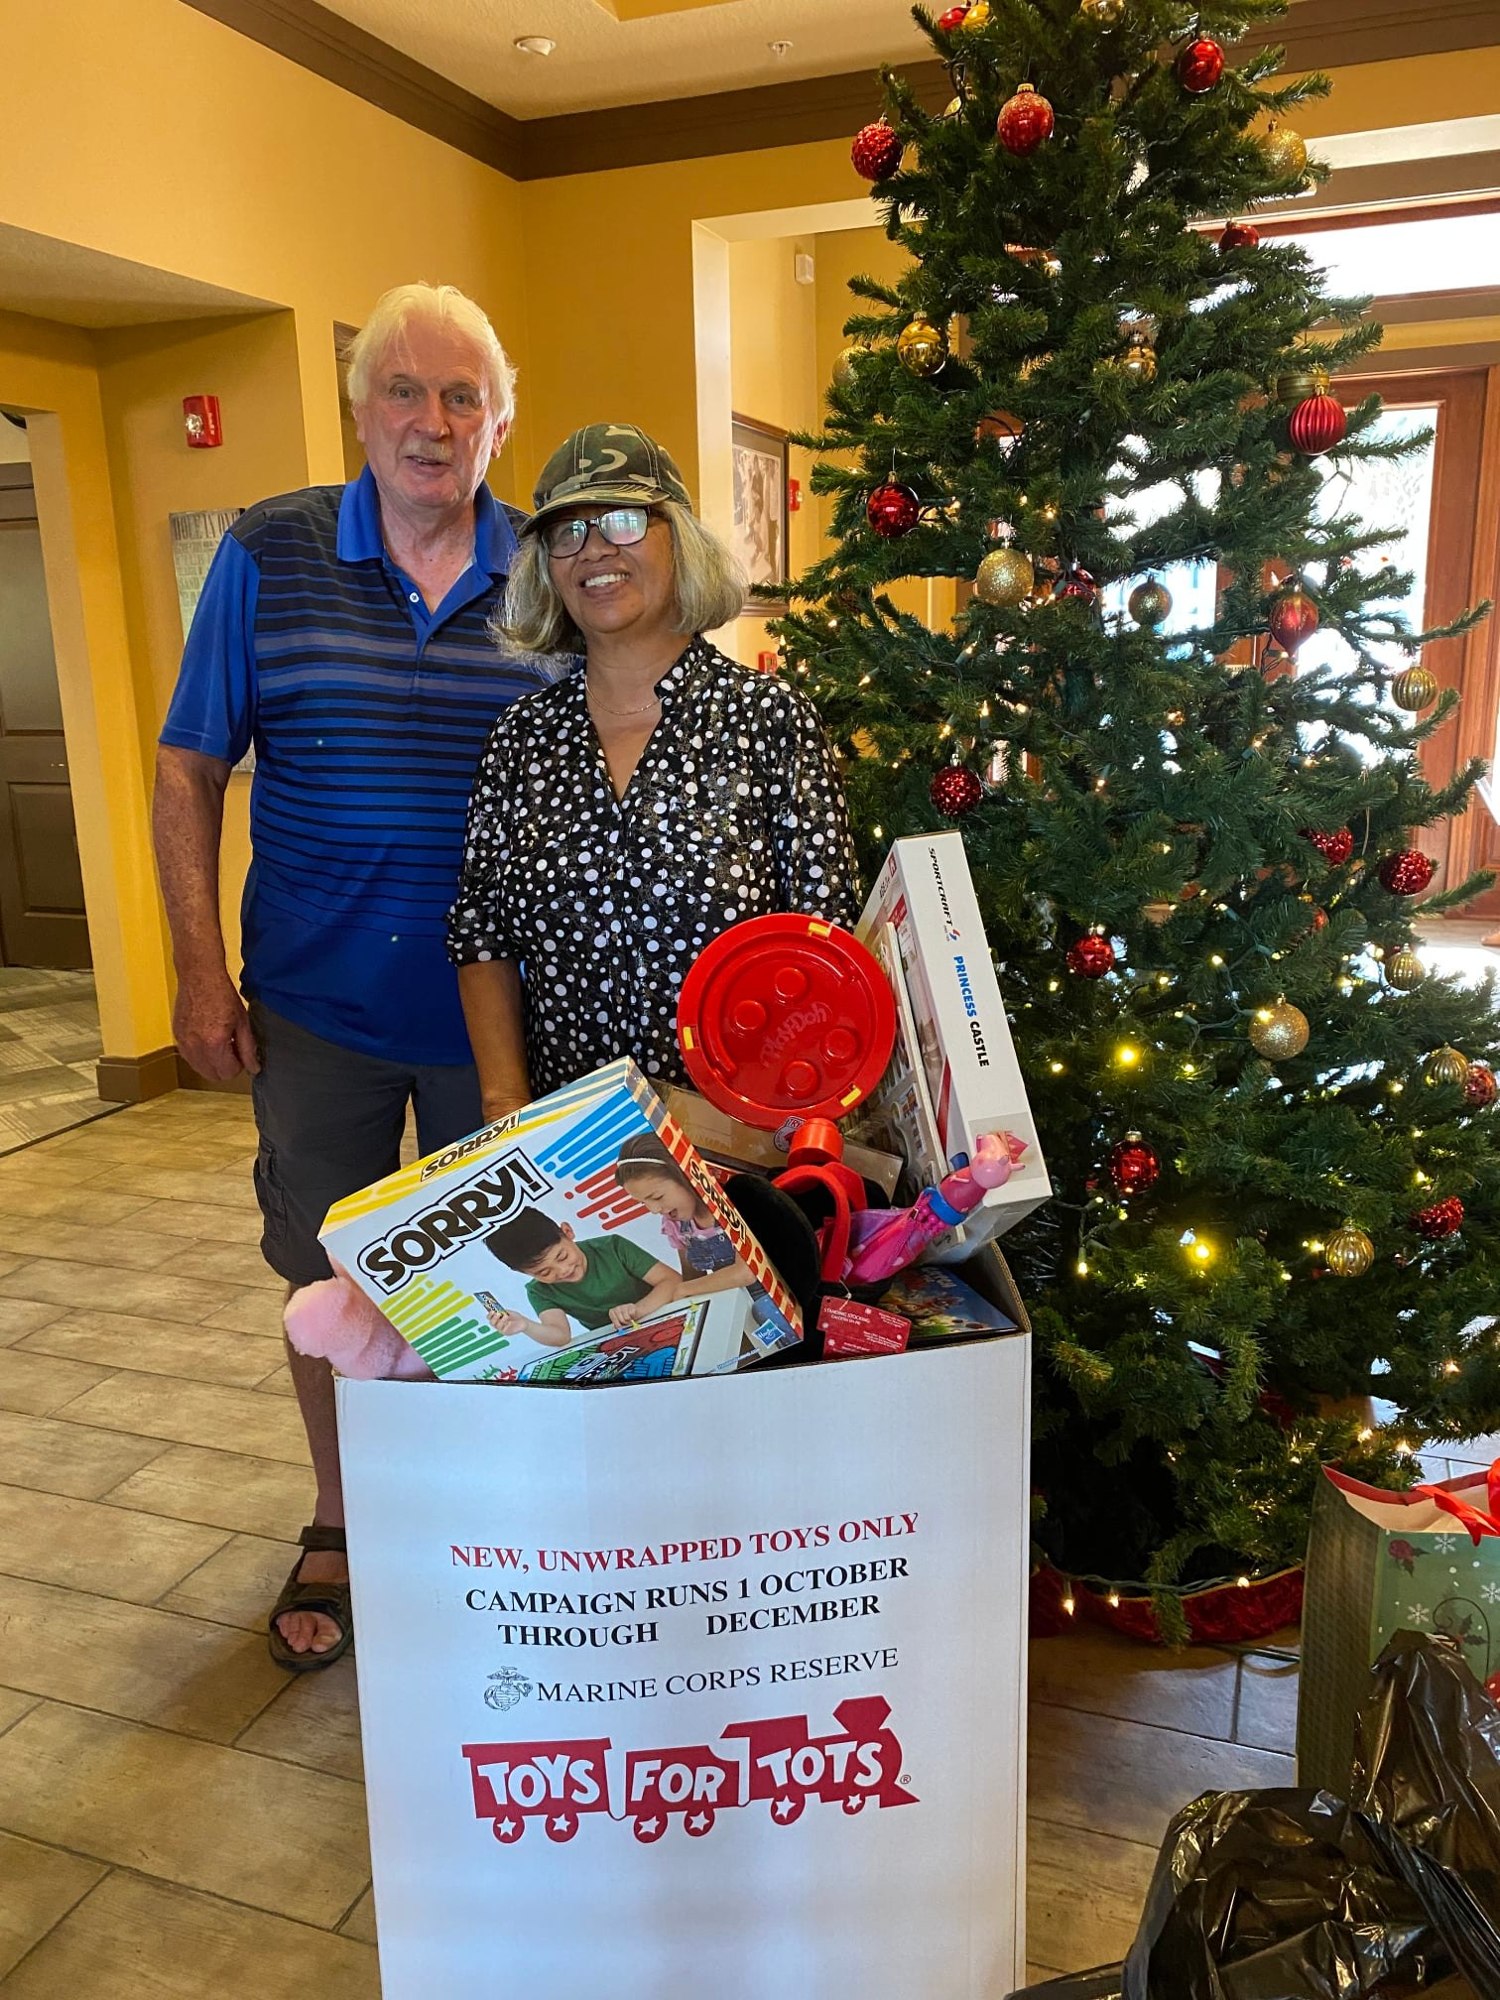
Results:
<point x="598" y="1280"/>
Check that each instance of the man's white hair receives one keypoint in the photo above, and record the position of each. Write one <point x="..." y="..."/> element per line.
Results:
<point x="436" y="305"/>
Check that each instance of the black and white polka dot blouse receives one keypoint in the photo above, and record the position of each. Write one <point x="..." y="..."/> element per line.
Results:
<point x="735" y="809"/>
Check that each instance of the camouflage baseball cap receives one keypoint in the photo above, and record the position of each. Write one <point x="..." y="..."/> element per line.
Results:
<point x="615" y="464"/>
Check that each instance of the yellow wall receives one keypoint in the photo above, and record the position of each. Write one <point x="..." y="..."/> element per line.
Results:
<point x="50" y="371"/>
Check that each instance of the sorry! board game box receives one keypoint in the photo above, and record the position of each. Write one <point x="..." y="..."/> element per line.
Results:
<point x="579" y="1241"/>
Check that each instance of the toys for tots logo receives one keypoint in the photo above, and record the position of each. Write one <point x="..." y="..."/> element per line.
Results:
<point x="778" y="1762"/>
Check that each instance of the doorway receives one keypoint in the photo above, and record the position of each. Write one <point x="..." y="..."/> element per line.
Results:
<point x="42" y="920"/>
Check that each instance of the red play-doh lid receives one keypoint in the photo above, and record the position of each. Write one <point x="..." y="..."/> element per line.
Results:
<point x="785" y="1016"/>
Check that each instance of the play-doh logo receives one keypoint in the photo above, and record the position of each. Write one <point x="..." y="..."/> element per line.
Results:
<point x="422" y="1240"/>
<point x="776" y="1762"/>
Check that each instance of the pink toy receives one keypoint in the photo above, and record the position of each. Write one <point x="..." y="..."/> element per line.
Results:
<point x="884" y="1241"/>
<point x="335" y="1319"/>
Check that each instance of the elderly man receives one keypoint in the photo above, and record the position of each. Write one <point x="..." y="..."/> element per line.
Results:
<point x="343" y="631"/>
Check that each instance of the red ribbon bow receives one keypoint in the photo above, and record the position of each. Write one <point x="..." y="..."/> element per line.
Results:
<point x="1475" y="1519"/>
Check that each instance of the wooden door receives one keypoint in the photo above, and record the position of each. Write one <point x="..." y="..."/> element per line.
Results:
<point x="42" y="919"/>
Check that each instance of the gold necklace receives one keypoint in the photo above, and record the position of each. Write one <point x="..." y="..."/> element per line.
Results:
<point x="619" y="714"/>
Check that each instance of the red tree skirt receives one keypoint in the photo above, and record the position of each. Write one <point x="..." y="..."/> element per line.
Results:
<point x="1226" y="1612"/>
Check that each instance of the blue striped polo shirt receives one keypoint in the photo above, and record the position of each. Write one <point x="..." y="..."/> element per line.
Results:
<point x="368" y="714"/>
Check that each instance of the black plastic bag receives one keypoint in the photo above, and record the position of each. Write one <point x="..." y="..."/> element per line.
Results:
<point x="1293" y="1895"/>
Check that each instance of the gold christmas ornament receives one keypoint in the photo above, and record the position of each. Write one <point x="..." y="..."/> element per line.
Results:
<point x="1349" y="1252"/>
<point x="978" y="15"/>
<point x="922" y="346"/>
<point x="846" y="368"/>
<point x="1295" y="385"/>
<point x="1279" y="1032"/>
<point x="1004" y="577"/>
<point x="1284" y="152"/>
<point x="1102" y="13"/>
<point x="1137" y="364"/>
<point x="1415" y="690"/>
<point x="1448" y="1067"/>
<point x="1404" y="970"/>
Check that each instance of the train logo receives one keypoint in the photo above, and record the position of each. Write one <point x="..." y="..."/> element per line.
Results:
<point x="777" y="1763"/>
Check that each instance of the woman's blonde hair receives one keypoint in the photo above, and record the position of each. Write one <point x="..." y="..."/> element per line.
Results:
<point x="437" y="305"/>
<point x="710" y="588"/>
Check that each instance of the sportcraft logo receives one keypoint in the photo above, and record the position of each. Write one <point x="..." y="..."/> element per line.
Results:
<point x="778" y="1762"/>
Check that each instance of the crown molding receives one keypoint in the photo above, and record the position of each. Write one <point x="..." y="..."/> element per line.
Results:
<point x="1317" y="34"/>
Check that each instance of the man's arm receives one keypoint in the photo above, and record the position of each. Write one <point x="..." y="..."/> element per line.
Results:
<point x="490" y="990"/>
<point x="209" y="1021"/>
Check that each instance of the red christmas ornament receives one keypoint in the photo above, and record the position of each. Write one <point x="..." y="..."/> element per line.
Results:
<point x="1293" y="617"/>
<point x="955" y="790"/>
<point x="951" y="21"/>
<point x="1080" y="587"/>
<point x="1092" y="956"/>
<point x="1200" y="66"/>
<point x="1442" y="1219"/>
<point x="1480" y="1086"/>
<point x="1317" y="425"/>
<point x="1025" y="121"/>
<point x="876" y="151"/>
<point x="892" y="510"/>
<point x="1133" y="1165"/>
<point x="1335" y="848"/>
<point x="1239" y="236"/>
<point x="1407" y="873"/>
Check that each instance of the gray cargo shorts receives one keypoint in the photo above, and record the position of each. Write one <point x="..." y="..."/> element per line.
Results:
<point x="330" y="1121"/>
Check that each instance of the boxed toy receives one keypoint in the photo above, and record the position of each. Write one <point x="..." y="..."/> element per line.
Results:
<point x="581" y="1240"/>
<point x="727" y="1141"/>
<point x="924" y="894"/>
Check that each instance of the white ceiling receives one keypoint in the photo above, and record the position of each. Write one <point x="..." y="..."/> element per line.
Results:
<point x="697" y="47"/>
<point x="50" y="279"/>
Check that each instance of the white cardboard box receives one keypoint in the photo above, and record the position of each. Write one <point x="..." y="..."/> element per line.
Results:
<point x="925" y="893"/>
<point x="720" y="1692"/>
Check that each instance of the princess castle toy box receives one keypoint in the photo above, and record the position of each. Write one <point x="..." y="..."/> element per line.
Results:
<point x="580" y="1241"/>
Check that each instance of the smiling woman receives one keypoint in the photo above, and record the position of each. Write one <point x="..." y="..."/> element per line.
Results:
<point x="624" y="817"/>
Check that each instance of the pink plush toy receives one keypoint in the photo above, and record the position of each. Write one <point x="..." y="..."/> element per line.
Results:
<point x="335" y="1319"/>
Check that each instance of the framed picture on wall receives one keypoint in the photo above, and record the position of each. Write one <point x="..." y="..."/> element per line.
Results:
<point x="760" y="539"/>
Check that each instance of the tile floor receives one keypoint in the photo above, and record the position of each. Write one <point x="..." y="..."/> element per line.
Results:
<point x="180" y="1820"/>
<point x="49" y="1045"/>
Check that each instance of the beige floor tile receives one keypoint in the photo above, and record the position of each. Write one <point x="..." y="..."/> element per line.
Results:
<point x="255" y="1496"/>
<point x="13" y="1705"/>
<point x="69" y="1201"/>
<point x="42" y="1166"/>
<point x="9" y="1264"/>
<point x="1128" y="1778"/>
<point x="279" y="1384"/>
<point x="196" y="1353"/>
<point x="229" y="1263"/>
<point x="38" y="1887"/>
<point x="147" y="1666"/>
<point x="360" y="1922"/>
<point x="251" y="1312"/>
<point x="202" y="1413"/>
<point x="1084" y="1894"/>
<point x="1268" y="1703"/>
<point x="237" y="1586"/>
<point x="315" y="1721"/>
<point x="202" y="1221"/>
<point x="154" y="1294"/>
<point x="40" y="1384"/>
<point x="67" y="1457"/>
<point x="226" y="1187"/>
<point x="18" y="1317"/>
<point x="274" y="1835"/>
<point x="1191" y="1690"/>
<point x="123" y="1247"/>
<point x="136" y="1939"/>
<point x="111" y="1551"/>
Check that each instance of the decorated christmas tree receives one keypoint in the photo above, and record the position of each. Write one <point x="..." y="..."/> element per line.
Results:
<point x="1267" y="1124"/>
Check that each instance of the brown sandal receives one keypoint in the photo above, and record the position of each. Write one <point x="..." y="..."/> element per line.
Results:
<point x="332" y="1599"/>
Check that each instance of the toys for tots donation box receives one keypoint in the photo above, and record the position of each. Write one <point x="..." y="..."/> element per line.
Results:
<point x="716" y="1692"/>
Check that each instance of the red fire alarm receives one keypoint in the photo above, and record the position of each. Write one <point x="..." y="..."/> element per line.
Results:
<point x="794" y="496"/>
<point x="202" y="422"/>
<point x="768" y="662"/>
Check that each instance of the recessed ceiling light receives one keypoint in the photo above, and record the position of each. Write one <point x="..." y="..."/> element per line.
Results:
<point x="535" y="45"/>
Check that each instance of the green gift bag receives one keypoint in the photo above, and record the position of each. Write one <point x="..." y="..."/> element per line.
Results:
<point x="1380" y="1563"/>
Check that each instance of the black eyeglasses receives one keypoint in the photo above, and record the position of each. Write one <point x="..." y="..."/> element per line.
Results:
<point x="620" y="527"/>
